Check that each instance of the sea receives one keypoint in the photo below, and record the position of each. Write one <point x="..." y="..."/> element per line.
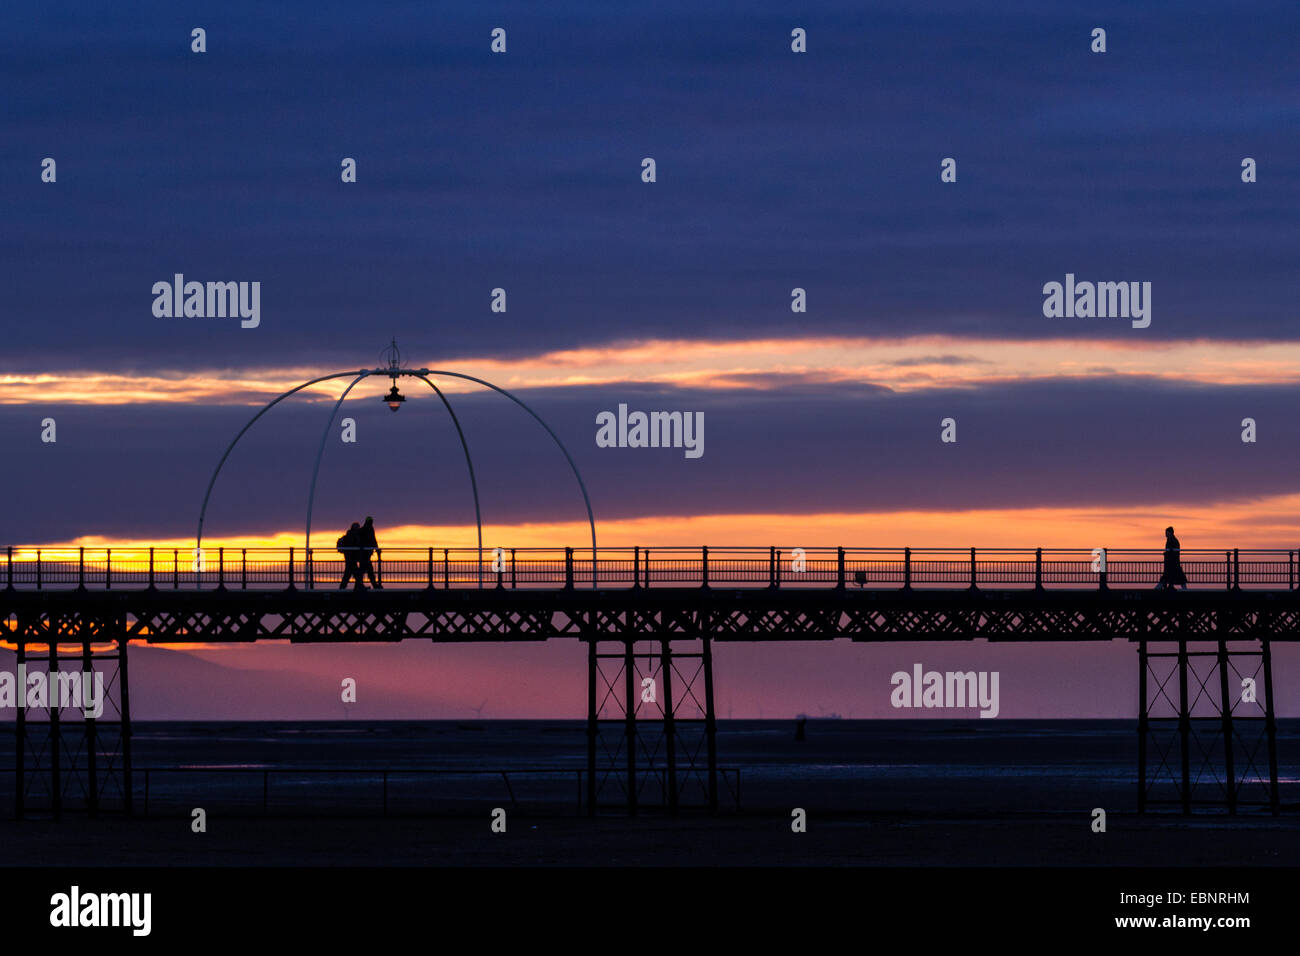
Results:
<point x="902" y="767"/>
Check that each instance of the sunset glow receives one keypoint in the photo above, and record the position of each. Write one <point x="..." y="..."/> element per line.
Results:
<point x="1271" y="523"/>
<point x="900" y="364"/>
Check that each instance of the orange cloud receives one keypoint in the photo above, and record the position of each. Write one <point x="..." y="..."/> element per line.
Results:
<point x="902" y="364"/>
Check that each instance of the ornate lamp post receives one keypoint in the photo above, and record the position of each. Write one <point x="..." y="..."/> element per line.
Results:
<point x="394" y="398"/>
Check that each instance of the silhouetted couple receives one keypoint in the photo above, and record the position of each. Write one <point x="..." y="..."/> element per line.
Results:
<point x="1173" y="576"/>
<point x="356" y="545"/>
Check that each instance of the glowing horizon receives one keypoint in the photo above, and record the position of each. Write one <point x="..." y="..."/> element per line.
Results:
<point x="1201" y="525"/>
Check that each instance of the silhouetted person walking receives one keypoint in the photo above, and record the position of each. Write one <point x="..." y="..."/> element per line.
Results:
<point x="366" y="538"/>
<point x="349" y="546"/>
<point x="1173" y="575"/>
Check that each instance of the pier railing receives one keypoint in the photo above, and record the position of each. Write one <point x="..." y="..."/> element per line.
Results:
<point x="321" y="569"/>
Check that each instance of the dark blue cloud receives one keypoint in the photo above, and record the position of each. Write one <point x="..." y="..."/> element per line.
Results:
<point x="522" y="171"/>
<point x="141" y="471"/>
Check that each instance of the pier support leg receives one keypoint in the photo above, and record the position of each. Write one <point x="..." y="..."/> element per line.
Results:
<point x="56" y="778"/>
<point x="622" y="723"/>
<point x="72" y="748"/>
<point x="1270" y="723"/>
<point x="1202" y="735"/>
<point x="20" y="737"/>
<point x="1144" y="726"/>
<point x="593" y="729"/>
<point x="670" y="725"/>
<point x="710" y="725"/>
<point x="629" y="717"/>
<point x="1225" y="714"/>
<point x="124" y="714"/>
<point x="90" y="743"/>
<point x="1184" y="728"/>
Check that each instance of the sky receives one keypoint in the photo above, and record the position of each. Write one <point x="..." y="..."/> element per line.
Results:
<point x="775" y="170"/>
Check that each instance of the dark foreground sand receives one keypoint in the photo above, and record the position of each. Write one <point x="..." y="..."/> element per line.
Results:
<point x="734" y="840"/>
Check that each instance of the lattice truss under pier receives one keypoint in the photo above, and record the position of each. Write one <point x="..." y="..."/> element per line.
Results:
<point x="73" y="733"/>
<point x="1207" y="733"/>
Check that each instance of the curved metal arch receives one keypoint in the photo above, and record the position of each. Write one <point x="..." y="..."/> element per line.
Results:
<point x="198" y="538"/>
<point x="591" y="519"/>
<point x="419" y="373"/>
<point x="311" y="495"/>
<point x="464" y="444"/>
<point x="473" y="482"/>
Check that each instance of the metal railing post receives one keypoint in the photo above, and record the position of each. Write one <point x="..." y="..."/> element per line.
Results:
<point x="839" y="568"/>
<point x="568" y="568"/>
<point x="704" y="562"/>
<point x="151" y="578"/>
<point x="243" y="569"/>
<point x="1038" y="569"/>
<point x="1236" y="570"/>
<point x="972" y="568"/>
<point x="9" y="567"/>
<point x="38" y="569"/>
<point x="221" y="568"/>
<point x="773" y="574"/>
<point x="379" y="567"/>
<point x="310" y="570"/>
<point x="636" y="566"/>
<point x="108" y="569"/>
<point x="446" y="570"/>
<point x="430" y="581"/>
<point x="1227" y="570"/>
<point x="907" y="569"/>
<point x="513" y="582"/>
<point x="176" y="568"/>
<point x="81" y="568"/>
